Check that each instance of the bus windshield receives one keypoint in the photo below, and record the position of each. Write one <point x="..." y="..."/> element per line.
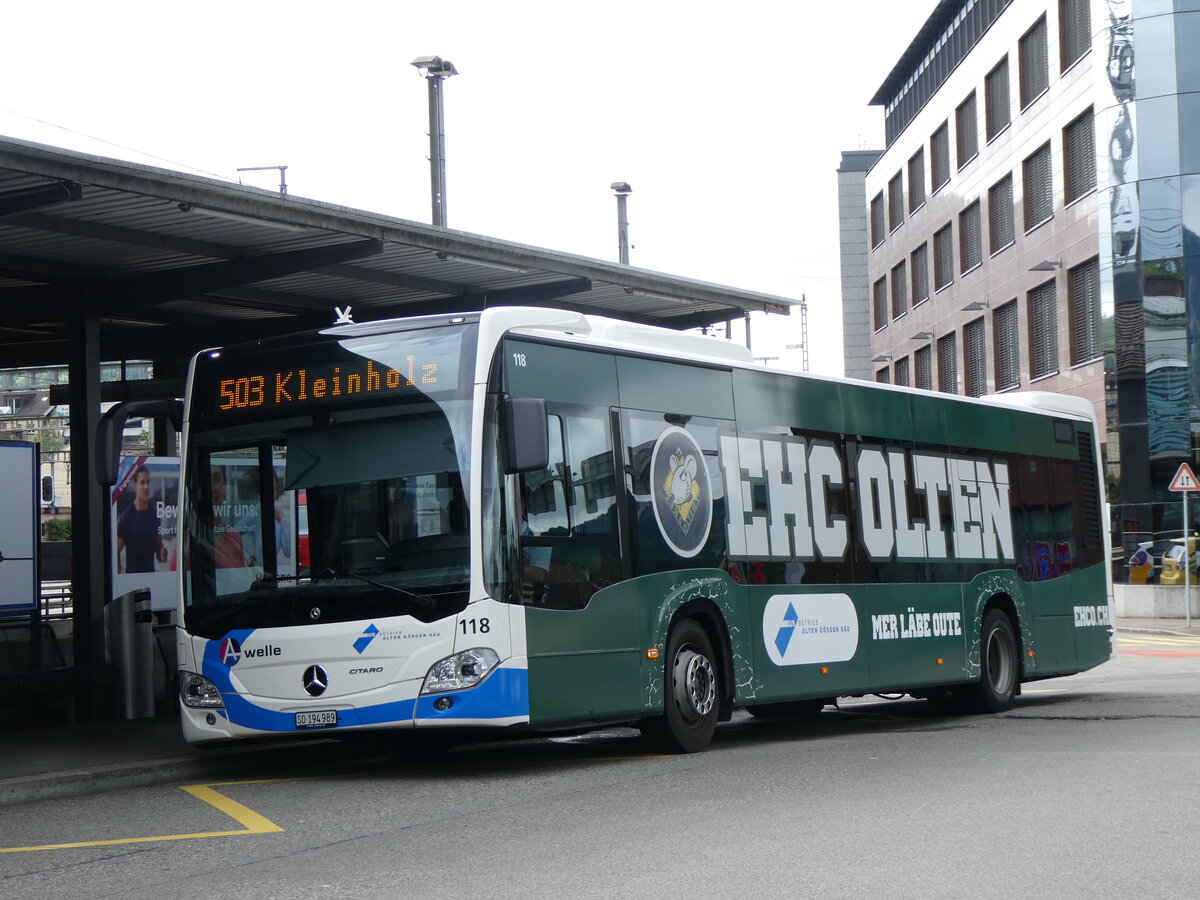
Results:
<point x="377" y="461"/>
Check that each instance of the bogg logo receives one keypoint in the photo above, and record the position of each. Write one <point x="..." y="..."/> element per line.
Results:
<point x="365" y="638"/>
<point x="802" y="629"/>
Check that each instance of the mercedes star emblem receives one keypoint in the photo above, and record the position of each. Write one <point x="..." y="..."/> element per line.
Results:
<point x="314" y="613"/>
<point x="315" y="681"/>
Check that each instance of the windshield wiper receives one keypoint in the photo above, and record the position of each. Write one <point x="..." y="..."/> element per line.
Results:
<point x="421" y="601"/>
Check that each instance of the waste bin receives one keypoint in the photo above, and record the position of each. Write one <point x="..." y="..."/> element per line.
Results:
<point x="129" y="626"/>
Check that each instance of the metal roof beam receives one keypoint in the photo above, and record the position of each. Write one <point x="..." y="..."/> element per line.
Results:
<point x="119" y="234"/>
<point x="132" y="342"/>
<point x="43" y="271"/>
<point x="134" y="295"/>
<point x="25" y="199"/>
<point x="282" y="302"/>
<point x="394" y="279"/>
<point x="533" y="294"/>
<point x="130" y="293"/>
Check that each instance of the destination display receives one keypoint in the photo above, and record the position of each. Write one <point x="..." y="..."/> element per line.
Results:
<point x="383" y="368"/>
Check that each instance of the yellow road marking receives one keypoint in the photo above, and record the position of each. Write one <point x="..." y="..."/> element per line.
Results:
<point x="251" y="822"/>
<point x="1045" y="690"/>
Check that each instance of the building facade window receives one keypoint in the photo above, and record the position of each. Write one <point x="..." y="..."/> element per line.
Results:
<point x="900" y="372"/>
<point x="1083" y="286"/>
<point x="1039" y="187"/>
<point x="1008" y="353"/>
<point x="896" y="202"/>
<point x="923" y="366"/>
<point x="881" y="376"/>
<point x="975" y="358"/>
<point x="916" y="180"/>
<point x="899" y="290"/>
<point x="1043" y="330"/>
<point x="939" y="156"/>
<point x="879" y="298"/>
<point x="995" y="99"/>
<point x="947" y="360"/>
<point x="970" y="237"/>
<point x="920" y="274"/>
<point x="1079" y="157"/>
<point x="878" y="232"/>
<point x="943" y="257"/>
<point x="1075" y="30"/>
<point x="966" y="131"/>
<point x="1035" y="72"/>
<point x="959" y="37"/>
<point x="1000" y="215"/>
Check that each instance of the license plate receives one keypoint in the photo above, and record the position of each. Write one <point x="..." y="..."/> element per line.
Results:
<point x="318" y="718"/>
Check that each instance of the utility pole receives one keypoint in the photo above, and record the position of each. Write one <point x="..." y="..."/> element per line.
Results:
<point x="622" y="190"/>
<point x="803" y="345"/>
<point x="435" y="71"/>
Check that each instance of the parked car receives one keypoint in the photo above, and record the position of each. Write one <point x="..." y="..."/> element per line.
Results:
<point x="1173" y="562"/>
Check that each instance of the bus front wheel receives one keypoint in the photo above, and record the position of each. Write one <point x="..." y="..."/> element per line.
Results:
<point x="691" y="696"/>
<point x="1000" y="669"/>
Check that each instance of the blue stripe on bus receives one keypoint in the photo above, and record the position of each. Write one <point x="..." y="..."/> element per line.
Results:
<point x="505" y="694"/>
<point x="246" y="714"/>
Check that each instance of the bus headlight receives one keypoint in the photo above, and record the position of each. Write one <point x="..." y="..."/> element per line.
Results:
<point x="198" y="692"/>
<point x="462" y="670"/>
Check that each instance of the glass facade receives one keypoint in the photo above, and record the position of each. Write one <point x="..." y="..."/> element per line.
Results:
<point x="1148" y="280"/>
<point x="1080" y="124"/>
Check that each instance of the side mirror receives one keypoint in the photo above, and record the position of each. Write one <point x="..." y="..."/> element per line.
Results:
<point x="526" y="439"/>
<point x="112" y="426"/>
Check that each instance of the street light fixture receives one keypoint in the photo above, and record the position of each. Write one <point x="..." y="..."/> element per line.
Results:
<point x="435" y="70"/>
<point x="1047" y="265"/>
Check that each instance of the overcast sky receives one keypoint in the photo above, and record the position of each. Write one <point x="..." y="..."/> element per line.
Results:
<point x="727" y="119"/>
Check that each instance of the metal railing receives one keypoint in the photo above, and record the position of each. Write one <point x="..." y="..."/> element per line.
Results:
<point x="56" y="600"/>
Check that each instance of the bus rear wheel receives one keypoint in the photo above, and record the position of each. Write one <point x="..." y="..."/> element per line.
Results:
<point x="692" y="691"/>
<point x="1000" y="669"/>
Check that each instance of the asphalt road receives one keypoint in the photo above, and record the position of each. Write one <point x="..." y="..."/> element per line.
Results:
<point x="1087" y="788"/>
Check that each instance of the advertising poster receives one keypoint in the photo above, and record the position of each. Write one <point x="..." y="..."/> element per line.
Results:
<point x="238" y="531"/>
<point x="145" y="534"/>
<point x="144" y="513"/>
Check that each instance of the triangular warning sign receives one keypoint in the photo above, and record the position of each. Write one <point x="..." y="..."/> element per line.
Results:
<point x="1185" y="479"/>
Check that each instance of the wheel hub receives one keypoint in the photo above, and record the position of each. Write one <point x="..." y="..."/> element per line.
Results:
<point x="1000" y="669"/>
<point x="695" y="685"/>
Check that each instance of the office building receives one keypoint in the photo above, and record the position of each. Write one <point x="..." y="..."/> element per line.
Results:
<point x="1030" y="223"/>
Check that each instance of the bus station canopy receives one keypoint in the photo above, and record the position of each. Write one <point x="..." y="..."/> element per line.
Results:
<point x="170" y="263"/>
<point x="104" y="260"/>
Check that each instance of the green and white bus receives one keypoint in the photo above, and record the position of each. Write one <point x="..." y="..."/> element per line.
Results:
<point x="538" y="520"/>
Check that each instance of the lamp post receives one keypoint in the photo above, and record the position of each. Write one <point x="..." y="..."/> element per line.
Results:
<point x="436" y="70"/>
<point x="622" y="190"/>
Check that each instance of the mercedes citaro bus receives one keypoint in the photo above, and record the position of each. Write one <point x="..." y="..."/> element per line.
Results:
<point x="540" y="520"/>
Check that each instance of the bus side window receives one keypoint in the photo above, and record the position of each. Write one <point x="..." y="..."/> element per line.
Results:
<point x="543" y="494"/>
<point x="565" y="564"/>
